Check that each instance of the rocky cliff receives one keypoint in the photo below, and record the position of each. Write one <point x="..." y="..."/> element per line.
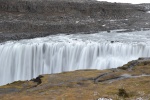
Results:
<point x="31" y="18"/>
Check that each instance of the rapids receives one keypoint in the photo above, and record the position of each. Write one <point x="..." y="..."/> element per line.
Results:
<point x="26" y="59"/>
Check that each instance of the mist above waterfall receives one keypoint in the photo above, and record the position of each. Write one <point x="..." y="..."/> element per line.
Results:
<point x="26" y="59"/>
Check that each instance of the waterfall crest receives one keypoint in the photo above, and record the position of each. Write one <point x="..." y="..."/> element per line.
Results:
<point x="26" y="59"/>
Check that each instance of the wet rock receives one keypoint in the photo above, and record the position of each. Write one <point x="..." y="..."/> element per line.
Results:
<point x="37" y="80"/>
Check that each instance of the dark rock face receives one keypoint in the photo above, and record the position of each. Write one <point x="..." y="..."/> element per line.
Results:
<point x="31" y="18"/>
<point x="38" y="80"/>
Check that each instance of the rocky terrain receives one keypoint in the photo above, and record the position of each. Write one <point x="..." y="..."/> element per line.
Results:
<point x="34" y="18"/>
<point x="20" y="19"/>
<point x="129" y="82"/>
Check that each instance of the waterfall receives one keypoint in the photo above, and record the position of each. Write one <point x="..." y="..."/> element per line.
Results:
<point x="26" y="59"/>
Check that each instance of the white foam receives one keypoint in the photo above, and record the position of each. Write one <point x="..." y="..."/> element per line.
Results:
<point x="148" y="11"/>
<point x="26" y="59"/>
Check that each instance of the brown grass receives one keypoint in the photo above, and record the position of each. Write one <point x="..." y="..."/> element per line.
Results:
<point x="79" y="85"/>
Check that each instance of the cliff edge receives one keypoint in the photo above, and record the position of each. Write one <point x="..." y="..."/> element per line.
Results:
<point x="21" y="19"/>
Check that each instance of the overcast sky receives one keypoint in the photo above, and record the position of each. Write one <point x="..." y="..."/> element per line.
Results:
<point x="128" y="1"/>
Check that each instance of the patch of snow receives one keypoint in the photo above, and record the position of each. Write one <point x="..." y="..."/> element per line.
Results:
<point x="104" y="25"/>
<point x="126" y="19"/>
<point x="77" y="22"/>
<point x="139" y="98"/>
<point x="146" y="23"/>
<point x="112" y="20"/>
<point x="148" y="11"/>
<point x="104" y="99"/>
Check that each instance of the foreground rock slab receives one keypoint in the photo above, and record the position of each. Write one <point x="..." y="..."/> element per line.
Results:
<point x="128" y="82"/>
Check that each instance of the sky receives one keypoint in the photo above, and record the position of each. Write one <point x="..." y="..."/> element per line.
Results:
<point x="128" y="1"/>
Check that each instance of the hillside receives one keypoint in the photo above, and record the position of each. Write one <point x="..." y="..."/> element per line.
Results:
<point x="33" y="18"/>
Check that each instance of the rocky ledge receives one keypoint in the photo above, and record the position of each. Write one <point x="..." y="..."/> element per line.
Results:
<point x="129" y="82"/>
<point x="21" y="19"/>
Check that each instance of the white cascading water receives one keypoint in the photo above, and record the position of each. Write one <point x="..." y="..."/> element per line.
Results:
<point x="26" y="59"/>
